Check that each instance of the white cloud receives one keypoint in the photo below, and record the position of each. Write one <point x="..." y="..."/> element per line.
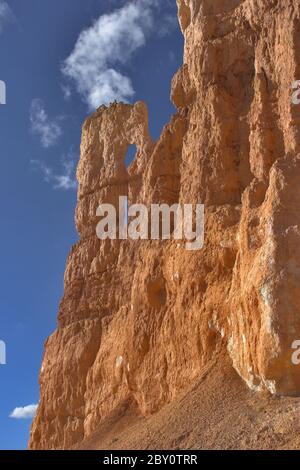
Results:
<point x="47" y="129"/>
<point x="110" y="86"/>
<point x="66" y="179"/>
<point x="109" y="43"/>
<point x="24" y="412"/>
<point x="6" y="14"/>
<point x="66" y="92"/>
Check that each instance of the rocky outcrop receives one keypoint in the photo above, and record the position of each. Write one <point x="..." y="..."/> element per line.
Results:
<point x="140" y="321"/>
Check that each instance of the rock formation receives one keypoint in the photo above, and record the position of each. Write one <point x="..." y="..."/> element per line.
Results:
<point x="140" y="321"/>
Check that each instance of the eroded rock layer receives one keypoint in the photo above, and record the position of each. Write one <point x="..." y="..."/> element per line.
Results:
<point x="140" y="320"/>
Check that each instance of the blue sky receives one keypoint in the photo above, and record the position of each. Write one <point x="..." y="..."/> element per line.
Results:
<point x="44" y="61"/>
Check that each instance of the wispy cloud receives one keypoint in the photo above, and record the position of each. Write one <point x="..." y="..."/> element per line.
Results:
<point x="47" y="129"/>
<point x="108" y="45"/>
<point x="64" y="180"/>
<point x="24" y="412"/>
<point x="67" y="179"/>
<point x="66" y="92"/>
<point x="6" y="15"/>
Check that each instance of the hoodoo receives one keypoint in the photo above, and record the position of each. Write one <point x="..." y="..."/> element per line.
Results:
<point x="205" y="337"/>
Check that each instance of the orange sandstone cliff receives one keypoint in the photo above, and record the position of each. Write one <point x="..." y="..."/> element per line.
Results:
<point x="141" y="322"/>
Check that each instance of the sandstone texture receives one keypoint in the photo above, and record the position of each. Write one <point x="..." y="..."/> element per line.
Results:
<point x="140" y="322"/>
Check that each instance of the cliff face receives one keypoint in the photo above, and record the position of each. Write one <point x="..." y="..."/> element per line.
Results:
<point x="141" y="320"/>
